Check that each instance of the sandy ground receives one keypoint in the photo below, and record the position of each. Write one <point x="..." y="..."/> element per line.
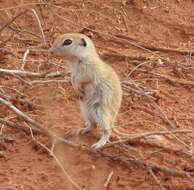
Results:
<point x="162" y="29"/>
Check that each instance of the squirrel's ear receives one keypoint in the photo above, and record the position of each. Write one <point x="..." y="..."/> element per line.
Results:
<point x="83" y="42"/>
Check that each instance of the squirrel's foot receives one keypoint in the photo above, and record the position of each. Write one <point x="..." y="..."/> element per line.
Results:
<point x="83" y="131"/>
<point x="99" y="144"/>
<point x="103" y="140"/>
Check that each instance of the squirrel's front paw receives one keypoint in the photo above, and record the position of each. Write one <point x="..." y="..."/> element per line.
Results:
<point x="81" y="95"/>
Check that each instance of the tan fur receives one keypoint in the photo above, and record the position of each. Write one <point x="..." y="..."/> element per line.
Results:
<point x="96" y="83"/>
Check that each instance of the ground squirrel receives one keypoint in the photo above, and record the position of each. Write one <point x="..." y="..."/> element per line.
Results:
<point x="96" y="83"/>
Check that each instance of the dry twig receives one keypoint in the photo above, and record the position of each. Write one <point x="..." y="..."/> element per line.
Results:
<point x="24" y="58"/>
<point x="156" y="179"/>
<point x="171" y="79"/>
<point x="12" y="20"/>
<point x="152" y="48"/>
<point x="135" y="68"/>
<point x="138" y="90"/>
<point x="22" y="115"/>
<point x="22" y="73"/>
<point x="107" y="182"/>
<point x="40" y="26"/>
<point x="41" y="82"/>
<point x="55" y="158"/>
<point x="132" y="137"/>
<point x="144" y="164"/>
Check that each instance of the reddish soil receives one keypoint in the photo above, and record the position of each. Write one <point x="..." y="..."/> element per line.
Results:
<point x="152" y="24"/>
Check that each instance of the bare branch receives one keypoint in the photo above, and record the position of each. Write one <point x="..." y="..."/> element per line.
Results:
<point x="129" y="161"/>
<point x="171" y="79"/>
<point x="138" y="90"/>
<point x="152" y="48"/>
<point x="144" y="164"/>
<point x="147" y="134"/>
<point x="12" y="20"/>
<point x="55" y="158"/>
<point x="156" y="179"/>
<point x="108" y="179"/>
<point x="135" y="68"/>
<point x="24" y="58"/>
<point x="22" y="73"/>
<point x="26" y="118"/>
<point x="47" y="81"/>
<point x="31" y="74"/>
<point x="40" y="26"/>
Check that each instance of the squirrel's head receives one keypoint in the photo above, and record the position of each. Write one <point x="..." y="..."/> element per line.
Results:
<point x="75" y="45"/>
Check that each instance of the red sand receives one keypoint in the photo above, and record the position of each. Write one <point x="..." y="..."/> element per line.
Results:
<point x="160" y="23"/>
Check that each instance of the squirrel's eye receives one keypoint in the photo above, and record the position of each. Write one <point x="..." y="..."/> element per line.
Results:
<point x="67" y="42"/>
